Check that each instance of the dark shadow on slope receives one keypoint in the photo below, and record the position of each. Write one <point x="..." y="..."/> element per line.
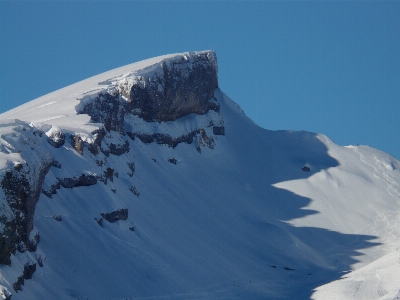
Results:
<point x="311" y="256"/>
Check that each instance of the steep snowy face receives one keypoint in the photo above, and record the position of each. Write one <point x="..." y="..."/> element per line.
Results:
<point x="147" y="181"/>
<point x="167" y="100"/>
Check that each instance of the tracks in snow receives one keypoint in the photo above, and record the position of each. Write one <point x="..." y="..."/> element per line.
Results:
<point x="386" y="223"/>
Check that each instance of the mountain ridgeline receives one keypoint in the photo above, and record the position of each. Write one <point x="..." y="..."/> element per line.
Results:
<point x="169" y="90"/>
<point x="148" y="181"/>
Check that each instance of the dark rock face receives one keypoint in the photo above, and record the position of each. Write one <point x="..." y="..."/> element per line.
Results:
<point x="172" y="160"/>
<point x="176" y="87"/>
<point x="165" y="139"/>
<point x="75" y="181"/>
<point x="108" y="109"/>
<point x="99" y="221"/>
<point x="57" y="218"/>
<point x="81" y="180"/>
<point x="96" y="145"/>
<point x="119" y="214"/>
<point x="77" y="143"/>
<point x="185" y="85"/>
<point x="109" y="174"/>
<point x="119" y="149"/>
<point x="21" y="196"/>
<point x="134" y="190"/>
<point x="131" y="166"/>
<point x="29" y="269"/>
<point x="182" y="85"/>
<point x="205" y="141"/>
<point x="219" y="130"/>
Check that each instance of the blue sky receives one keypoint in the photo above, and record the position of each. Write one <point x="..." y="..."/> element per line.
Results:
<point x="327" y="67"/>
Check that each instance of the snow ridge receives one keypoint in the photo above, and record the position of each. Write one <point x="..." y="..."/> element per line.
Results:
<point x="194" y="201"/>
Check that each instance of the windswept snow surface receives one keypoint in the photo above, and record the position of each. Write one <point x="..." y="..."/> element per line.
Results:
<point x="240" y="221"/>
<point x="59" y="108"/>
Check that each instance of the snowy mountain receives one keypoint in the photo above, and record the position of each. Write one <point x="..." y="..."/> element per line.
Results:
<point x="148" y="182"/>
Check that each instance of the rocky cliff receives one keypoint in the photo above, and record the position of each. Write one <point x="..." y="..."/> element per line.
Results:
<point x="147" y="181"/>
<point x="163" y="92"/>
<point x="146" y="104"/>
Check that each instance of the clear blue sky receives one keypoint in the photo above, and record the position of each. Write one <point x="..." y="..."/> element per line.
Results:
<point x="327" y="67"/>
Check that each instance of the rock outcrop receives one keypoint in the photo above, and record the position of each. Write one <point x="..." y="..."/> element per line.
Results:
<point x="184" y="86"/>
<point x="29" y="270"/>
<point x="40" y="158"/>
<point x="114" y="216"/>
<point x="175" y="87"/>
<point x="21" y="187"/>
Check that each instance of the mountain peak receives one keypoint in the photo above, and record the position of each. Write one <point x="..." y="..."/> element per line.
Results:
<point x="164" y="91"/>
<point x="158" y="89"/>
<point x="147" y="181"/>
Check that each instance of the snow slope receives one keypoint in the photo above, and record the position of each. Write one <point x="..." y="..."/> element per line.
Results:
<point x="239" y="220"/>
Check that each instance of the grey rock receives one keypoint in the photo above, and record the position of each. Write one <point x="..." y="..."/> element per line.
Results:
<point x="134" y="190"/>
<point x="172" y="160"/>
<point x="77" y="143"/>
<point x="119" y="149"/>
<point x="119" y="214"/>
<point x="131" y="166"/>
<point x="29" y="270"/>
<point x="109" y="174"/>
<point x="187" y="85"/>
<point x="57" y="139"/>
<point x="99" y="221"/>
<point x="219" y="130"/>
<point x="21" y="196"/>
<point x="183" y="85"/>
<point x="165" y="139"/>
<point x="57" y="218"/>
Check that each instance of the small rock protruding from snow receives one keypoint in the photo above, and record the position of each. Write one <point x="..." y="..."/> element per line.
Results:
<point x="219" y="130"/>
<point x="57" y="218"/>
<point x="172" y="160"/>
<point x="56" y="137"/>
<point x="131" y="166"/>
<point x="119" y="214"/>
<point x="134" y="190"/>
<point x="99" y="221"/>
<point x="77" y="143"/>
<point x="29" y="270"/>
<point x="205" y="141"/>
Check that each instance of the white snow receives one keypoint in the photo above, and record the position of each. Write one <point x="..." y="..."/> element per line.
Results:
<point x="59" y="108"/>
<point x="241" y="221"/>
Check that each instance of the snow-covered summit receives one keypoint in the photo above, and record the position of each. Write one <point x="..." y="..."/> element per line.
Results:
<point x="149" y="182"/>
<point x="64" y="108"/>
